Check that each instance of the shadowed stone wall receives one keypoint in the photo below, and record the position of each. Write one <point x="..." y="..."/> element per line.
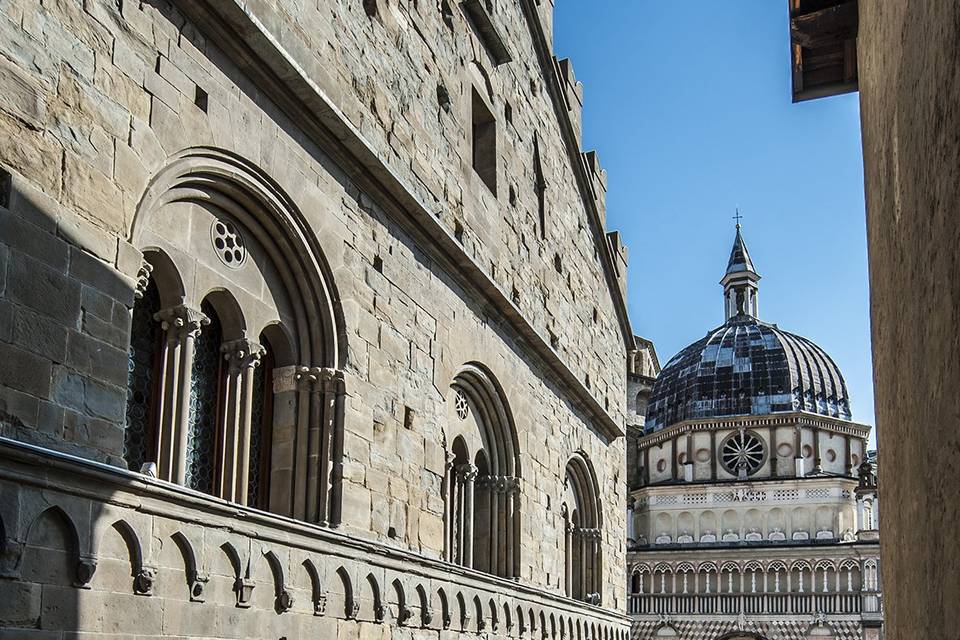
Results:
<point x="910" y="109"/>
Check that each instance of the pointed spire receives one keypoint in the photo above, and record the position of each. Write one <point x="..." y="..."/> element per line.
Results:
<point x="739" y="256"/>
<point x="740" y="282"/>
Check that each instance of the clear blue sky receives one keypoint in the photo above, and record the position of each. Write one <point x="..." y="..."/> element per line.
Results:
<point x="688" y="104"/>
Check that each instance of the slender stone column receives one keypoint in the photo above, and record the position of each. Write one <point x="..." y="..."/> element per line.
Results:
<point x="242" y="356"/>
<point x="713" y="454"/>
<point x="513" y="539"/>
<point x="673" y="459"/>
<point x="469" y="473"/>
<point x="449" y="485"/>
<point x="181" y="326"/>
<point x="817" y="460"/>
<point x="305" y="381"/>
<point x="338" y="386"/>
<point x="167" y="400"/>
<point x="847" y="456"/>
<point x="773" y="452"/>
<point x="315" y="433"/>
<point x="567" y="553"/>
<point x="461" y="527"/>
<point x="646" y="465"/>
<point x="495" y="488"/>
<point x="584" y="577"/>
<point x="798" y="452"/>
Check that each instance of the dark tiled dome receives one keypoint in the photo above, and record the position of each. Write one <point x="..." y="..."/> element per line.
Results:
<point x="747" y="367"/>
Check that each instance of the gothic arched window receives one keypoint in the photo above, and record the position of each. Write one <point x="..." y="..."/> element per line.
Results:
<point x="582" y="532"/>
<point x="205" y="401"/>
<point x="481" y="501"/>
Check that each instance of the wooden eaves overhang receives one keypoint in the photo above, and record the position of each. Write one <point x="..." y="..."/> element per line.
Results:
<point x="275" y="61"/>
<point x="823" y="47"/>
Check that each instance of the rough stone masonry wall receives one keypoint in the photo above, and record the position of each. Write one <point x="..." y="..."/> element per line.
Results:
<point x="97" y="95"/>
<point x="910" y="110"/>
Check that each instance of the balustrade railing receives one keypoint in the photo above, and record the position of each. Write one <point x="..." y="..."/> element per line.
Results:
<point x="829" y="602"/>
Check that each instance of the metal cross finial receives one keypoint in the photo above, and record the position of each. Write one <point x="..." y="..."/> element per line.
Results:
<point x="738" y="217"/>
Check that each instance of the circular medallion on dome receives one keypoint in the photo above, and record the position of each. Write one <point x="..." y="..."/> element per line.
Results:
<point x="742" y="450"/>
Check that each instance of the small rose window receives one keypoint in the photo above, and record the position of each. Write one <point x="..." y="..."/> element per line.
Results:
<point x="228" y="243"/>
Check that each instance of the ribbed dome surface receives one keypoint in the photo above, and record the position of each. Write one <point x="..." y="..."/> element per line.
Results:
<point x="747" y="367"/>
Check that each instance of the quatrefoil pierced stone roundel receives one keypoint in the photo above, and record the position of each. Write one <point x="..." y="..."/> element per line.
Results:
<point x="228" y="243"/>
<point x="461" y="404"/>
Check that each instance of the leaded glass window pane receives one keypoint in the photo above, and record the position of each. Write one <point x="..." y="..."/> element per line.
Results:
<point x="204" y="392"/>
<point x="142" y="360"/>
<point x="261" y="431"/>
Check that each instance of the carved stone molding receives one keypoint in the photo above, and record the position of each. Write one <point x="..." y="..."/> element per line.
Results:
<point x="143" y="279"/>
<point x="284" y="601"/>
<point x="143" y="581"/>
<point x="86" y="567"/>
<point x="198" y="584"/>
<point x="320" y="605"/>
<point x="244" y="590"/>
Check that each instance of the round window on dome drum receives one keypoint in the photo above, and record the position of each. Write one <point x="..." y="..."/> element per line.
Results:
<point x="742" y="453"/>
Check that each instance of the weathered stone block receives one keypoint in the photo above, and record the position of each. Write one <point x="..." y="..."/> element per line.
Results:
<point x="96" y="359"/>
<point x="36" y="243"/>
<point x="24" y="371"/>
<point x="93" y="191"/>
<point x="104" y="401"/>
<point x="92" y="272"/>
<point x="43" y="289"/>
<point x="87" y="235"/>
<point x="40" y="335"/>
<point x="31" y="156"/>
<point x="21" y="97"/>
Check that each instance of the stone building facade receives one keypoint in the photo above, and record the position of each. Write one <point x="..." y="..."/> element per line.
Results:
<point x="901" y="58"/>
<point x="643" y="366"/>
<point x="309" y="324"/>
<point x="755" y="511"/>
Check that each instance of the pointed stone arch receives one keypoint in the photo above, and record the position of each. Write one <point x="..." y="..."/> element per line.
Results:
<point x="583" y="527"/>
<point x="301" y="314"/>
<point x="482" y="481"/>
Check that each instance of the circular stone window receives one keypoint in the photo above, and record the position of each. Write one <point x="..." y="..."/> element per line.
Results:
<point x="461" y="405"/>
<point x="785" y="450"/>
<point x="228" y="243"/>
<point x="742" y="450"/>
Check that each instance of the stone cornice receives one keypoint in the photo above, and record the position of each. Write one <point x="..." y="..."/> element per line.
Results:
<point x="28" y="464"/>
<point x="746" y="552"/>
<point x="798" y="418"/>
<point x="242" y="33"/>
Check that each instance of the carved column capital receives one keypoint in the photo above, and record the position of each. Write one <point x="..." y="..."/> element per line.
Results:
<point x="241" y="354"/>
<point x="466" y="472"/>
<point x="181" y="321"/>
